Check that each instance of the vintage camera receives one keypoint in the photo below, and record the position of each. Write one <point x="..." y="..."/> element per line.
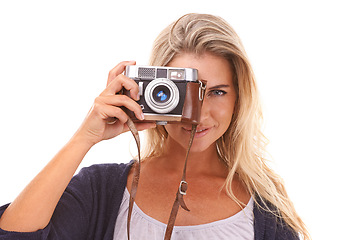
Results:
<point x="167" y="94"/>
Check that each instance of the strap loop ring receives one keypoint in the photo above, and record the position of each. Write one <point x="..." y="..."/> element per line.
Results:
<point x="202" y="88"/>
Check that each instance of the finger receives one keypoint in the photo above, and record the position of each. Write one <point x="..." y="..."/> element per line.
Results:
<point x="118" y="69"/>
<point x="121" y="82"/>
<point x="141" y="126"/>
<point x="144" y="126"/>
<point x="111" y="112"/>
<point x="123" y="101"/>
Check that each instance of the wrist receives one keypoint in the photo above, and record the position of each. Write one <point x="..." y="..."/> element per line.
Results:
<point x="81" y="142"/>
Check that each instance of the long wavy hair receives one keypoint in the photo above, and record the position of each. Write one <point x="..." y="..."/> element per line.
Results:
<point x="242" y="147"/>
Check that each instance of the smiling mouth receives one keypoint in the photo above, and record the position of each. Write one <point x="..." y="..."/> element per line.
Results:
<point x="199" y="132"/>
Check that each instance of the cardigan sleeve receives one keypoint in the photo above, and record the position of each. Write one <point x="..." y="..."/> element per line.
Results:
<point x="267" y="226"/>
<point x="86" y="209"/>
<point x="6" y="235"/>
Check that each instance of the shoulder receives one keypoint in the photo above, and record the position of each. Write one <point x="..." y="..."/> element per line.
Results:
<point x="98" y="181"/>
<point x="90" y="202"/>
<point x="269" y="226"/>
<point x="104" y="172"/>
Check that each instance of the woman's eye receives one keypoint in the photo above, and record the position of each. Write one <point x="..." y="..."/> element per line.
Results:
<point x="217" y="92"/>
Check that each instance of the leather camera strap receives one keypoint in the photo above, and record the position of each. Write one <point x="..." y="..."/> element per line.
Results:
<point x="179" y="200"/>
<point x="136" y="175"/>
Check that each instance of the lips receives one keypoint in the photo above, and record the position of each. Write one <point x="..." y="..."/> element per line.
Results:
<point x="200" y="131"/>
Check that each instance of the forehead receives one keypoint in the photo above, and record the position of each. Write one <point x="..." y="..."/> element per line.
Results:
<point x="214" y="69"/>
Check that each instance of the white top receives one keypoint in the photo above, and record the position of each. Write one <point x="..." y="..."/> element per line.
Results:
<point x="239" y="226"/>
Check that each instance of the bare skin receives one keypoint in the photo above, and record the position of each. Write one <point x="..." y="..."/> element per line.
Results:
<point x="205" y="197"/>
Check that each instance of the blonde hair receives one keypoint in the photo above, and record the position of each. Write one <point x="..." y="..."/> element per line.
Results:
<point x="242" y="146"/>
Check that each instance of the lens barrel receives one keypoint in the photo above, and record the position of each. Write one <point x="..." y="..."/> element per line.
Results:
<point x="162" y="95"/>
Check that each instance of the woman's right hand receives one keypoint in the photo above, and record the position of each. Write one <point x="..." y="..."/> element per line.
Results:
<point x="106" y="119"/>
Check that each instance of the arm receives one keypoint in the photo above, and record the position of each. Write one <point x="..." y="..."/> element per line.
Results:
<point x="34" y="207"/>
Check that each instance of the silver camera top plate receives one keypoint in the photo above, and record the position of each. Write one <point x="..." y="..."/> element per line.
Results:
<point x="153" y="72"/>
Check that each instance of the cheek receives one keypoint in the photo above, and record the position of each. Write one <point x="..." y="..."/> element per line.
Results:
<point x="224" y="116"/>
<point x="222" y="112"/>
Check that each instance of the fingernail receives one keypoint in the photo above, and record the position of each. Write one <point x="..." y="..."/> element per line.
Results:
<point x="138" y="97"/>
<point x="142" y="116"/>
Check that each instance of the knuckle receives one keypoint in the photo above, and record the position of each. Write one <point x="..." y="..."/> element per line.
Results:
<point x="121" y="115"/>
<point x="96" y="107"/>
<point x="97" y="101"/>
<point x="97" y="104"/>
<point x="119" y="80"/>
<point x="112" y="73"/>
<point x="118" y="111"/>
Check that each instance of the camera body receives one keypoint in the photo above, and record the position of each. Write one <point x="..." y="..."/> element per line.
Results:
<point x="167" y="94"/>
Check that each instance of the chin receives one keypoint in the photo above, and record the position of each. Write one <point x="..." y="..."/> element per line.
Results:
<point x="204" y="139"/>
<point x="199" y="147"/>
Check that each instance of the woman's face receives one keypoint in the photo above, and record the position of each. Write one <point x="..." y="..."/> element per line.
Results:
<point x="218" y="105"/>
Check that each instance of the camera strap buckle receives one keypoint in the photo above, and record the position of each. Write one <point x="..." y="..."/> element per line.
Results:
<point x="182" y="190"/>
<point x="202" y="89"/>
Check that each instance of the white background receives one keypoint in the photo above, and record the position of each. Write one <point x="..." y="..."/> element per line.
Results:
<point x="55" y="57"/>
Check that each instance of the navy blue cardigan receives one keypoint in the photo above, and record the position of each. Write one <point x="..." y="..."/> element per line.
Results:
<point x="89" y="207"/>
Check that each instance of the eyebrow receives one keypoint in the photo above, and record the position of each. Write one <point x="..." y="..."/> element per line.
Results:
<point x="219" y="86"/>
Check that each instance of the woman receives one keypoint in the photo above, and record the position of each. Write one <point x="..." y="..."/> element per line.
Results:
<point x="232" y="193"/>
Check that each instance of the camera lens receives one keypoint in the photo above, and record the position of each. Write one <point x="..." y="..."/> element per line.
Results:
<point x="161" y="94"/>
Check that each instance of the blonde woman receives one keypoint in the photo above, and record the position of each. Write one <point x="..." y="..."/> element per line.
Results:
<point x="232" y="193"/>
